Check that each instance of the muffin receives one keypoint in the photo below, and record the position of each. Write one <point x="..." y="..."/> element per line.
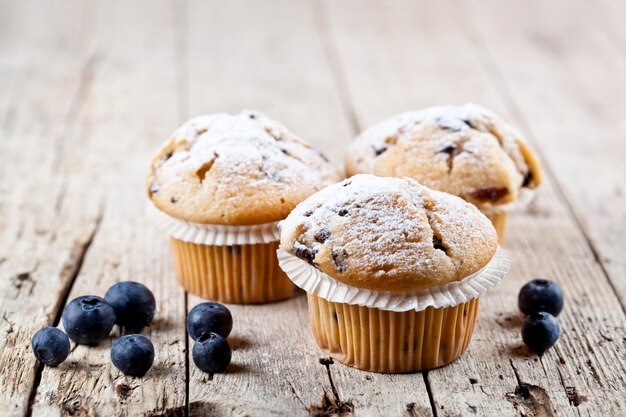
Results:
<point x="218" y="187"/>
<point x="393" y="271"/>
<point x="467" y="151"/>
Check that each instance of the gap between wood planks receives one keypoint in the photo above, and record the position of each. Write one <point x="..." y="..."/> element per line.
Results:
<point x="502" y="89"/>
<point x="73" y="266"/>
<point x="346" y="102"/>
<point x="77" y="254"/>
<point x="331" y="52"/>
<point x="474" y="37"/>
<point x="187" y="363"/>
<point x="181" y="68"/>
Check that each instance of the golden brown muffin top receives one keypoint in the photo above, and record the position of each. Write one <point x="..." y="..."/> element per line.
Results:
<point x="465" y="150"/>
<point x="389" y="234"/>
<point x="235" y="170"/>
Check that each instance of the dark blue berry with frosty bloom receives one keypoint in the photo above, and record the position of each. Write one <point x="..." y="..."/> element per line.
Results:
<point x="132" y="354"/>
<point x="133" y="303"/>
<point x="541" y="295"/>
<point x="209" y="317"/>
<point x="88" y="319"/>
<point x="540" y="331"/>
<point x="211" y="353"/>
<point x="50" y="346"/>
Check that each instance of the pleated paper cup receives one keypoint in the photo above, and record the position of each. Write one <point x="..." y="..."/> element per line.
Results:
<point x="393" y="332"/>
<point x="230" y="264"/>
<point x="499" y="215"/>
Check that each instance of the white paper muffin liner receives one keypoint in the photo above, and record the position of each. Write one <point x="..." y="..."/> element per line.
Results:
<point x="315" y="282"/>
<point x="524" y="198"/>
<point x="213" y="234"/>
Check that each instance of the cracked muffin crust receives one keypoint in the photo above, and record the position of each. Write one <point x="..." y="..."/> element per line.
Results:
<point x="389" y="234"/>
<point x="235" y="170"/>
<point x="464" y="150"/>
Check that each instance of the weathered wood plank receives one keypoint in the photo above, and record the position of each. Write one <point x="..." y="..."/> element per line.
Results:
<point x="424" y="60"/>
<point x="577" y="97"/>
<point x="274" y="369"/>
<point x="38" y="210"/>
<point x="87" y="93"/>
<point x="266" y="56"/>
<point x="125" y="108"/>
<point x="277" y="371"/>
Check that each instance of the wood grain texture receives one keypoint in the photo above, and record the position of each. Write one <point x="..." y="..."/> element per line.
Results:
<point x="572" y="91"/>
<point x="544" y="241"/>
<point x="39" y="210"/>
<point x="120" y="120"/>
<point x="278" y="372"/>
<point x="88" y="90"/>
<point x="266" y="56"/>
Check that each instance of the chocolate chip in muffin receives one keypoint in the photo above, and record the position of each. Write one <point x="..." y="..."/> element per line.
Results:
<point x="528" y="179"/>
<point x="449" y="149"/>
<point x="322" y="235"/>
<point x="437" y="241"/>
<point x="272" y="174"/>
<point x="340" y="259"/>
<point x="379" y="150"/>
<point x="469" y="123"/>
<point x="389" y="140"/>
<point x="304" y="252"/>
<point x="154" y="187"/>
<point x="174" y="199"/>
<point x="342" y="212"/>
<point x="438" y="244"/>
<point x="452" y="150"/>
<point x="308" y="213"/>
<point x="490" y="193"/>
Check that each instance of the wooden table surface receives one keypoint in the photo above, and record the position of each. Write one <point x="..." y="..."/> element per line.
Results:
<point x="88" y="90"/>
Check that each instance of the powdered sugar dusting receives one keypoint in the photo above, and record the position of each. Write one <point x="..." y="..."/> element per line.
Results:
<point x="470" y="147"/>
<point x="221" y="161"/>
<point x="315" y="282"/>
<point x="389" y="234"/>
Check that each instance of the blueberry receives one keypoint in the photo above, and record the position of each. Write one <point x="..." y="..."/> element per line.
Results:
<point x="88" y="319"/>
<point x="207" y="318"/>
<point x="51" y="346"/>
<point x="541" y="295"/>
<point x="211" y="352"/>
<point x="133" y="303"/>
<point x="540" y="331"/>
<point x="132" y="354"/>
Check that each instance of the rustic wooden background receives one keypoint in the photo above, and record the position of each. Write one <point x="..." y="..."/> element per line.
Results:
<point x="88" y="90"/>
